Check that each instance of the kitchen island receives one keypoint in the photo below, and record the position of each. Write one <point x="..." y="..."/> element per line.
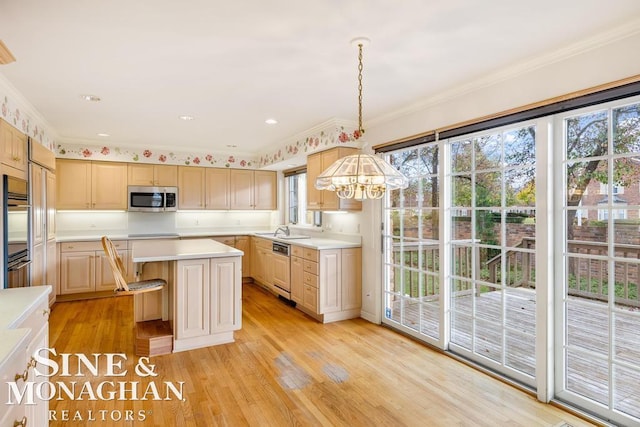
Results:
<point x="203" y="300"/>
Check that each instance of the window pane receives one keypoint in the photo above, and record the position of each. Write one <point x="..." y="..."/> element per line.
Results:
<point x="587" y="135"/>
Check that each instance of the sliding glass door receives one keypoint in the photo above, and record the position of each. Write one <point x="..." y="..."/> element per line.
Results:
<point x="412" y="295"/>
<point x="485" y="211"/>
<point x="492" y="287"/>
<point x="598" y="270"/>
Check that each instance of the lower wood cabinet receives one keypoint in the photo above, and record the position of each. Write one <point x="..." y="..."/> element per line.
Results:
<point x="85" y="268"/>
<point x="206" y="301"/>
<point x="327" y="284"/>
<point x="261" y="261"/>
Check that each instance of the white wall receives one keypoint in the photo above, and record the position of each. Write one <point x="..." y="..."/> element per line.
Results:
<point x="614" y="58"/>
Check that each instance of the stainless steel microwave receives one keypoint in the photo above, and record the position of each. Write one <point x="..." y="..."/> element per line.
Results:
<point x="152" y="199"/>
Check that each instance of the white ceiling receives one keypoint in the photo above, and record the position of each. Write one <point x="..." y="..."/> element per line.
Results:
<point x="233" y="64"/>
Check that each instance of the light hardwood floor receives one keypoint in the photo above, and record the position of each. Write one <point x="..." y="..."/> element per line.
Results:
<point x="286" y="369"/>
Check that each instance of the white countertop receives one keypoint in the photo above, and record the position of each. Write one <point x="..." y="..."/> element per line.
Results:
<point x="15" y="306"/>
<point x="174" y="249"/>
<point x="15" y="302"/>
<point x="317" y="243"/>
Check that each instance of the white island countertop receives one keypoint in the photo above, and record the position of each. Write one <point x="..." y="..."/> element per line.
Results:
<point x="172" y="250"/>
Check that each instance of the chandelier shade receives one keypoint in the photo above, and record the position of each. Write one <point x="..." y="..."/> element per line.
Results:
<point x="361" y="176"/>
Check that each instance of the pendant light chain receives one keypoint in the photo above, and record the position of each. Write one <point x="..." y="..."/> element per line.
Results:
<point x="360" y="89"/>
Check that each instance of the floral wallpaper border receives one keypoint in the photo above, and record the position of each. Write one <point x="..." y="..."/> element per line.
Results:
<point x="331" y="133"/>
<point x="153" y="156"/>
<point x="13" y="114"/>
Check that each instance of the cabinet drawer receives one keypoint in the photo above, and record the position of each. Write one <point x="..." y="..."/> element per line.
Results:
<point x="310" y="267"/>
<point x="311" y="254"/>
<point x="37" y="319"/>
<point x="310" y="298"/>
<point x="310" y="279"/>
<point x="90" y="246"/>
<point x="297" y="251"/>
<point x="226" y="240"/>
<point x="15" y="363"/>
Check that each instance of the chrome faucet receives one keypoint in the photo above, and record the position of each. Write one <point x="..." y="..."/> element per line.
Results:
<point x="284" y="229"/>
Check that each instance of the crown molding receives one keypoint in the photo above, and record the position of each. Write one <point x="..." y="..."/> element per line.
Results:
<point x="621" y="32"/>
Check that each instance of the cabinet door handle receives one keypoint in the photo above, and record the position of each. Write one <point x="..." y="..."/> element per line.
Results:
<point x="21" y="423"/>
<point x="46" y="312"/>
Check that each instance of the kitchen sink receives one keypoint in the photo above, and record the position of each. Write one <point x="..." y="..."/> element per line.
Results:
<point x="282" y="236"/>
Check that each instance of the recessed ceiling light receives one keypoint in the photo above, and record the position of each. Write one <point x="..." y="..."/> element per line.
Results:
<point x="104" y="134"/>
<point x="186" y="118"/>
<point x="271" y="121"/>
<point x="91" y="98"/>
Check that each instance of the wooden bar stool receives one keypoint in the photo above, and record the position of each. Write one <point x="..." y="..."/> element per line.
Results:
<point x="152" y="337"/>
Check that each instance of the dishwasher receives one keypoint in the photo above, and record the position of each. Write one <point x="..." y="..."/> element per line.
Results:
<point x="281" y="263"/>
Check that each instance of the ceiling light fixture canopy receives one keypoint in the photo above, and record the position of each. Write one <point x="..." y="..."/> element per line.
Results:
<point x="361" y="176"/>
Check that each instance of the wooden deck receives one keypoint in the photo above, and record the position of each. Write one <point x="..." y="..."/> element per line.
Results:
<point x="587" y="331"/>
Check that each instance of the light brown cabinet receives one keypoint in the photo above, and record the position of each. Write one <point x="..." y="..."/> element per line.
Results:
<point x="91" y="185"/>
<point x="327" y="284"/>
<point x="203" y="188"/>
<point x="84" y="267"/>
<point x="13" y="154"/>
<point x="253" y="189"/>
<point x="244" y="244"/>
<point x="210" y="293"/>
<point x="323" y="200"/>
<point x="297" y="277"/>
<point x="261" y="268"/>
<point x="217" y="188"/>
<point x="42" y="182"/>
<point x="156" y="175"/>
<point x="191" y="187"/>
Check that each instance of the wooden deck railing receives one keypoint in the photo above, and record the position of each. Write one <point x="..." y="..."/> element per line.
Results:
<point x="588" y="276"/>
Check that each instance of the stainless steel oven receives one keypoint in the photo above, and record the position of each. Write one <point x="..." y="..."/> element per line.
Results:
<point x="16" y="211"/>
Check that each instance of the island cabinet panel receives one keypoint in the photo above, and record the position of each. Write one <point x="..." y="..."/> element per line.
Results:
<point x="226" y="309"/>
<point x="192" y="299"/>
<point x="207" y="301"/>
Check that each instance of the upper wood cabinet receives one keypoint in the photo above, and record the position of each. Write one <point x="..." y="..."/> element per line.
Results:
<point x="191" y="185"/>
<point x="252" y="189"/>
<point x="217" y="188"/>
<point x="322" y="200"/>
<point x="157" y="175"/>
<point x="222" y="189"/>
<point x="85" y="184"/>
<point x="13" y="152"/>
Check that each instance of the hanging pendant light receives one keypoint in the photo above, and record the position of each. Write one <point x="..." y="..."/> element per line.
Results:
<point x="360" y="176"/>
